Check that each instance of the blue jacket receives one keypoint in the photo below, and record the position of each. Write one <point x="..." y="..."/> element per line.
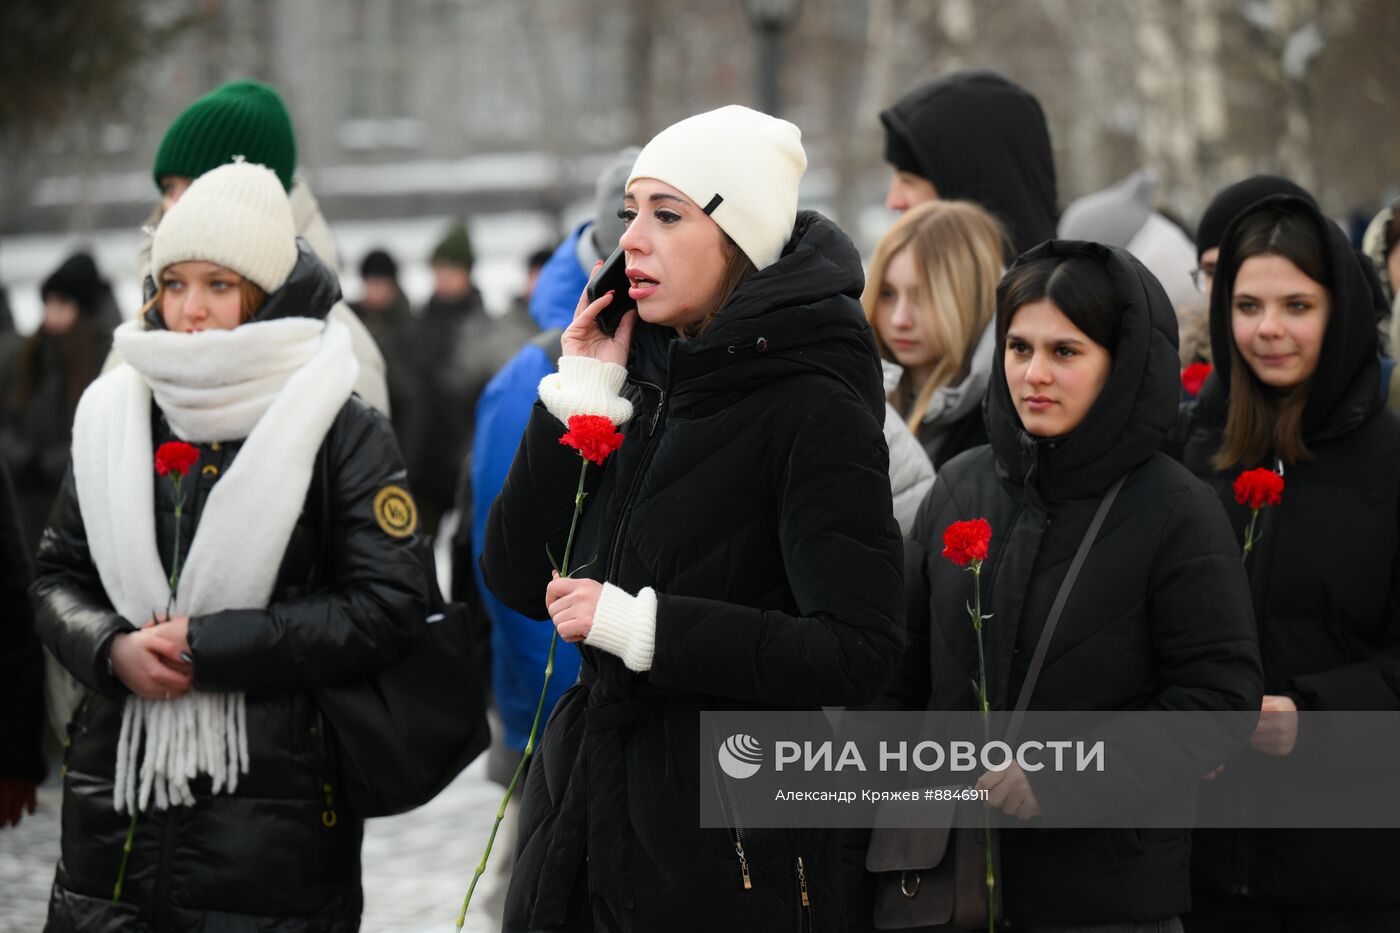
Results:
<point x="520" y="646"/>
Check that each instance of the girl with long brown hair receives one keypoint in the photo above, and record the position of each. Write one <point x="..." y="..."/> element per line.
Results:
<point x="1297" y="390"/>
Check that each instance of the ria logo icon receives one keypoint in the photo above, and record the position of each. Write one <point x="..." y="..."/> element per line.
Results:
<point x="740" y="756"/>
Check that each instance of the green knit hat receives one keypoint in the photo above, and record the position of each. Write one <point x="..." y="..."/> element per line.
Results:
<point x="455" y="248"/>
<point x="244" y="118"/>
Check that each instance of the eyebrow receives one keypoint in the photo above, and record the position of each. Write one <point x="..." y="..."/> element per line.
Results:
<point x="1311" y="296"/>
<point x="659" y="196"/>
<point x="1058" y="341"/>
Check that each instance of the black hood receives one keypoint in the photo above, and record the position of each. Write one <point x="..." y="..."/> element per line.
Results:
<point x="980" y="137"/>
<point x="800" y="315"/>
<point x="1138" y="404"/>
<point x="311" y="290"/>
<point x="1346" y="386"/>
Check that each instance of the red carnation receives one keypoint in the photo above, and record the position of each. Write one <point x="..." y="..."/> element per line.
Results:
<point x="1194" y="376"/>
<point x="966" y="542"/>
<point x="175" y="457"/>
<point x="1259" y="488"/>
<point x="593" y="436"/>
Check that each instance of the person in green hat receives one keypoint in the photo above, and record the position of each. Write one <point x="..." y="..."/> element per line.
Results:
<point x="249" y="119"/>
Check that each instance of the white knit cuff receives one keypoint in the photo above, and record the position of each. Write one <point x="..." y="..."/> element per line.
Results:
<point x="625" y="625"/>
<point x="585" y="386"/>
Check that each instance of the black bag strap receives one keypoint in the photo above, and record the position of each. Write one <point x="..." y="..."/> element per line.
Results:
<point x="1042" y="647"/>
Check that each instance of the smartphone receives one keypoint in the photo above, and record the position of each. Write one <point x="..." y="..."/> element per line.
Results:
<point x="612" y="277"/>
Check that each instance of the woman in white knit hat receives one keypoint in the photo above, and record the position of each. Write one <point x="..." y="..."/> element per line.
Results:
<point x="202" y="724"/>
<point x="743" y="549"/>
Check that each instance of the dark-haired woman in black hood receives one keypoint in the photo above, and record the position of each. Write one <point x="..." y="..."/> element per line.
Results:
<point x="1083" y="390"/>
<point x="1296" y="390"/>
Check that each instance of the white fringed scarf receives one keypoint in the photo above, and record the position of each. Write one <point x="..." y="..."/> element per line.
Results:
<point x="276" y="385"/>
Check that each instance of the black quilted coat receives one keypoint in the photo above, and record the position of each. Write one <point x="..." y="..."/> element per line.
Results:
<point x="279" y="853"/>
<point x="752" y="494"/>
<point x="1325" y="581"/>
<point x="1159" y="618"/>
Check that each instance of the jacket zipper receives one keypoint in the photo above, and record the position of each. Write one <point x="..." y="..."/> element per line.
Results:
<point x="636" y="479"/>
<point x="808" y="923"/>
<point x="737" y="830"/>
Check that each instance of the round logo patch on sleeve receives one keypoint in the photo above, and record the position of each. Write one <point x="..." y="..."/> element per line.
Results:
<point x="395" y="512"/>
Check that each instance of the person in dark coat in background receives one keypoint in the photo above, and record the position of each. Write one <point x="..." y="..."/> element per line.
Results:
<point x="384" y="310"/>
<point x="458" y="347"/>
<point x="22" y="764"/>
<point x="204" y="724"/>
<point x="10" y="341"/>
<point x="534" y="265"/>
<point x="54" y="367"/>
<point x="1085" y="387"/>
<point x="747" y="552"/>
<point x="1295" y="390"/>
<point x="974" y="136"/>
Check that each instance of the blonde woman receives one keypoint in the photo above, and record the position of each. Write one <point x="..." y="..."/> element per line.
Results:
<point x="930" y="296"/>
<point x="205" y="725"/>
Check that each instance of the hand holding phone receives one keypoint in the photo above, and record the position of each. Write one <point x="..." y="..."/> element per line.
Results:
<point x="612" y="277"/>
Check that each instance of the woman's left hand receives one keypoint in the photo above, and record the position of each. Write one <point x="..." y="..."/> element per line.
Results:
<point x="1010" y="791"/>
<point x="176" y="631"/>
<point x="571" y="604"/>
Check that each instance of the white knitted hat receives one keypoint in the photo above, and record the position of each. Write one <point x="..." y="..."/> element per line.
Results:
<point x="236" y="215"/>
<point x="741" y="166"/>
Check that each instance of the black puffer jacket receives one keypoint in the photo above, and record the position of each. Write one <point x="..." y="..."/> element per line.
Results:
<point x="279" y="852"/>
<point x="1158" y="620"/>
<point x="1325" y="580"/>
<point x="752" y="492"/>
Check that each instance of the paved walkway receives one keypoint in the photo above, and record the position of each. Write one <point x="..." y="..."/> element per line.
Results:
<point x="416" y="866"/>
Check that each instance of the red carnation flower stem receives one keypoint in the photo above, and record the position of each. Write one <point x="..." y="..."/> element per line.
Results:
<point x="985" y="706"/>
<point x="1249" y="538"/>
<point x="579" y="496"/>
<point x="178" y="479"/>
<point x="177" y="476"/>
<point x="573" y="525"/>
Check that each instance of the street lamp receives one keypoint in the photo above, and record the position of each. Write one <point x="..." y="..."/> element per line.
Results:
<point x="769" y="19"/>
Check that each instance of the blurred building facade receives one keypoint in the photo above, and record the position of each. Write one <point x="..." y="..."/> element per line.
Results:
<point x="470" y="106"/>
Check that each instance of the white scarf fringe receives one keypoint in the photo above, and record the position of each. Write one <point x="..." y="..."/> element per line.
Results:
<point x="277" y="384"/>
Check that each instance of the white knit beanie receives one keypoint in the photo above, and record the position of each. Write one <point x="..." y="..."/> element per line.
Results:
<point x="741" y="166"/>
<point x="237" y="216"/>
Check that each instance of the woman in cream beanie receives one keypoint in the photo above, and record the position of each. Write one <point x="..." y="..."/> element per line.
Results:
<point x="747" y="555"/>
<point x="201" y="726"/>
